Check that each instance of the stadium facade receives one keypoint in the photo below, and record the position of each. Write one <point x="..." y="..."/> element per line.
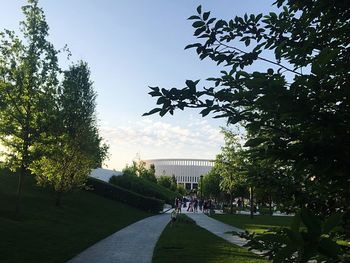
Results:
<point x="187" y="172"/>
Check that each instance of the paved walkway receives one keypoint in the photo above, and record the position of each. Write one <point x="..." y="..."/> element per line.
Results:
<point x="218" y="228"/>
<point x="134" y="243"/>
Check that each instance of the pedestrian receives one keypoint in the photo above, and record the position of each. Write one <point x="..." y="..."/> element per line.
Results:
<point x="173" y="216"/>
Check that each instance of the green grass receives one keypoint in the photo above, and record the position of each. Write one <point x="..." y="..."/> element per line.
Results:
<point x="50" y="234"/>
<point x="187" y="242"/>
<point x="259" y="224"/>
<point x="144" y="187"/>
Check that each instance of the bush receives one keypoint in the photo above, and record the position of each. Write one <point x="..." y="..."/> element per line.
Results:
<point x="123" y="195"/>
<point x="144" y="187"/>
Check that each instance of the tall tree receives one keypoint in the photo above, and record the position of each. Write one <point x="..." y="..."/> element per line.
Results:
<point x="231" y="165"/>
<point x="298" y="110"/>
<point x="73" y="147"/>
<point x="28" y="81"/>
<point x="211" y="184"/>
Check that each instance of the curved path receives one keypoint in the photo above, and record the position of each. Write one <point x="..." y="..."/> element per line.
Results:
<point x="218" y="228"/>
<point x="134" y="243"/>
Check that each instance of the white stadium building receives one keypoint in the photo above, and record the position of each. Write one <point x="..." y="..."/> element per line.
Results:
<point x="186" y="171"/>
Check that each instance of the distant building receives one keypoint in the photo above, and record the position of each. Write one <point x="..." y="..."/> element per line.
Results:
<point x="187" y="172"/>
<point x="104" y="174"/>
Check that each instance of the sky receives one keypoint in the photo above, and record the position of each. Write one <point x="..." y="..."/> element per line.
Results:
<point x="130" y="45"/>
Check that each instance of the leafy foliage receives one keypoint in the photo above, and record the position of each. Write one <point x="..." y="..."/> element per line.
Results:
<point x="211" y="184"/>
<point x="297" y="112"/>
<point x="70" y="147"/>
<point x="139" y="169"/>
<point x="28" y="73"/>
<point x="316" y="241"/>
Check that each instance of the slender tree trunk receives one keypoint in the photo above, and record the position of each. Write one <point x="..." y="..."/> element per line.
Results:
<point x="270" y="204"/>
<point x="231" y="205"/>
<point x="19" y="192"/>
<point x="251" y="203"/>
<point x="22" y="174"/>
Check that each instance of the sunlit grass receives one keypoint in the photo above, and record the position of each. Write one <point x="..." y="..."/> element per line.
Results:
<point x="257" y="224"/>
<point x="47" y="233"/>
<point x="186" y="242"/>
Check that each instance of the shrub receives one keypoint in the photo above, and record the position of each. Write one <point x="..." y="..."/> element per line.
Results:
<point x="144" y="187"/>
<point x="117" y="193"/>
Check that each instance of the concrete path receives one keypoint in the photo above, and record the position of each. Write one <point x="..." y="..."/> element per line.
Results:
<point x="218" y="228"/>
<point x="132" y="244"/>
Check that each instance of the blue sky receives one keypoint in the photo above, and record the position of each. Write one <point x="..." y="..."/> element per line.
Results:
<point x="130" y="45"/>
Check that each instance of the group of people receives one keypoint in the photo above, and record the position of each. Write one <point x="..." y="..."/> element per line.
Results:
<point x="192" y="205"/>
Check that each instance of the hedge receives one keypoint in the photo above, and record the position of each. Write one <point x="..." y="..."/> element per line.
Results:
<point x="114" y="192"/>
<point x="144" y="187"/>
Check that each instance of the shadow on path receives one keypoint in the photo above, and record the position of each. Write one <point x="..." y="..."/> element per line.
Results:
<point x="134" y="243"/>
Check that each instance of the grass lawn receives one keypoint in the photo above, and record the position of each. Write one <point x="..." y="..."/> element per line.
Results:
<point x="258" y="224"/>
<point x="187" y="242"/>
<point x="50" y="234"/>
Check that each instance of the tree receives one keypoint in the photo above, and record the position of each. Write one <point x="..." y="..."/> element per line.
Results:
<point x="165" y="180"/>
<point x="211" y="184"/>
<point x="296" y="112"/>
<point x="72" y="147"/>
<point x="28" y="82"/>
<point x="139" y="169"/>
<point x="231" y="166"/>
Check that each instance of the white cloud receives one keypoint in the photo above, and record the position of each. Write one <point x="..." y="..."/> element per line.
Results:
<point x="158" y="139"/>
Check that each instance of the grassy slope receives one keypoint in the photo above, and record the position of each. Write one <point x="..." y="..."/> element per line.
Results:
<point x="258" y="224"/>
<point x="144" y="187"/>
<point x="187" y="242"/>
<point x="50" y="234"/>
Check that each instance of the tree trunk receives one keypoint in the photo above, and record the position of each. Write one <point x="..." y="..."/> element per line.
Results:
<point x="251" y="203"/>
<point x="270" y="204"/>
<point x="19" y="192"/>
<point x="22" y="175"/>
<point x="231" y="205"/>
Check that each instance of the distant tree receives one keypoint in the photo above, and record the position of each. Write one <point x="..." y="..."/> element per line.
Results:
<point x="28" y="82"/>
<point x="130" y="170"/>
<point x="181" y="190"/>
<point x="230" y="164"/>
<point x="140" y="169"/>
<point x="165" y="180"/>
<point x="148" y="174"/>
<point x="72" y="147"/>
<point x="211" y="183"/>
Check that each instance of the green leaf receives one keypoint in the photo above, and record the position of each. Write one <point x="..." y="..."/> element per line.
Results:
<point x="198" y="24"/>
<point x="211" y="20"/>
<point x="332" y="222"/>
<point x="199" y="31"/>
<point x="329" y="248"/>
<point x="294" y="236"/>
<point x="205" y="111"/>
<point x="192" y="45"/>
<point x="312" y="223"/>
<point x="191" y="84"/>
<point x="284" y="253"/>
<point x="206" y="15"/>
<point x="155" y="110"/>
<point x="255" y="142"/>
<point x="193" y="17"/>
<point x="199" y="9"/>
